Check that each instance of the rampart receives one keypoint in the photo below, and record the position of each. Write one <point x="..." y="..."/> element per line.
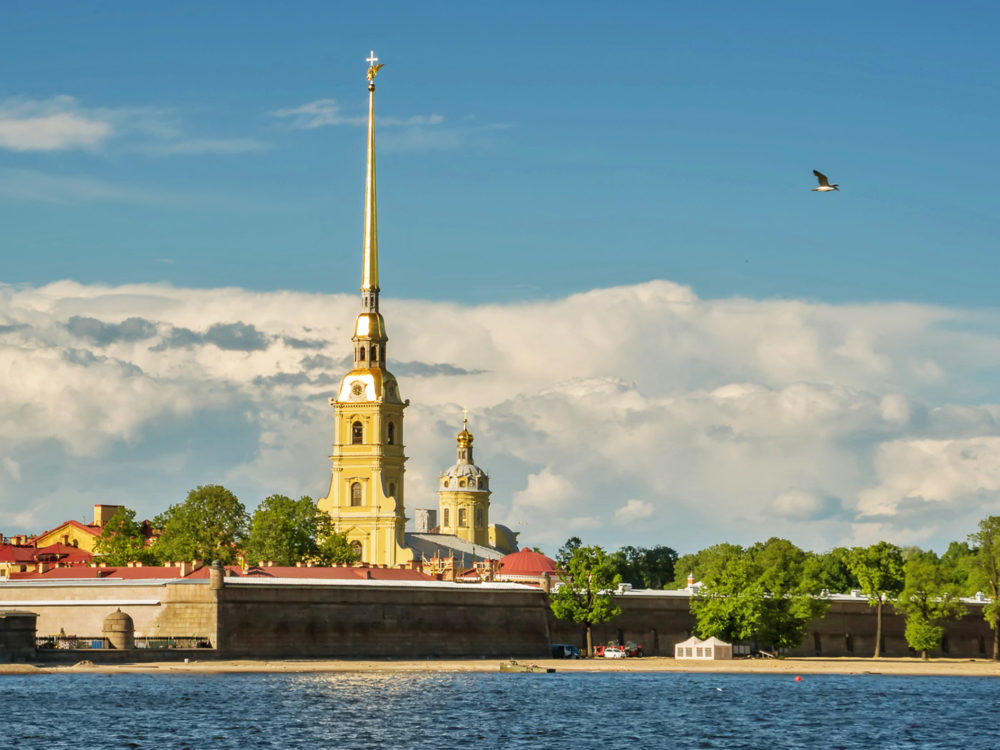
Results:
<point x="405" y="619"/>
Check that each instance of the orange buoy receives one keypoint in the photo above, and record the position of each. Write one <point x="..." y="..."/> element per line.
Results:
<point x="798" y="678"/>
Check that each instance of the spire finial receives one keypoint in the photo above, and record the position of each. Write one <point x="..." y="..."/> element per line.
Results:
<point x="369" y="275"/>
<point x="465" y="417"/>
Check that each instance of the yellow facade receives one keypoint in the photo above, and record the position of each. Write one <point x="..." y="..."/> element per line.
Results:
<point x="366" y="490"/>
<point x="464" y="496"/>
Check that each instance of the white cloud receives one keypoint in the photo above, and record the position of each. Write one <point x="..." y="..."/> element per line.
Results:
<point x="62" y="123"/>
<point x="49" y="125"/>
<point x="732" y="420"/>
<point x="322" y="112"/>
<point x="634" y="510"/>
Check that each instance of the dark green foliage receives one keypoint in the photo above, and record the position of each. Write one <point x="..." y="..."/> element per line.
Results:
<point x="209" y="525"/>
<point x="928" y="599"/>
<point x="586" y="593"/>
<point x="959" y="566"/>
<point x="879" y="570"/>
<point x="121" y="540"/>
<point x="645" y="568"/>
<point x="286" y="531"/>
<point x="566" y="551"/>
<point x="832" y="571"/>
<point x="986" y="567"/>
<point x="762" y="593"/>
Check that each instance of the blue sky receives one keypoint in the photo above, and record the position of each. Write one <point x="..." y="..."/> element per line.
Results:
<point x="597" y="233"/>
<point x="577" y="147"/>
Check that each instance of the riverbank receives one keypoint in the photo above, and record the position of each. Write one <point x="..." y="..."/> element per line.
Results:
<point x="792" y="666"/>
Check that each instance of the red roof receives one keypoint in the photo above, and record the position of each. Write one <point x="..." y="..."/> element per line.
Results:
<point x="63" y="553"/>
<point x="526" y="562"/>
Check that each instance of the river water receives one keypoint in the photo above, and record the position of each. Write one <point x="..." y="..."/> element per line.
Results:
<point x="493" y="710"/>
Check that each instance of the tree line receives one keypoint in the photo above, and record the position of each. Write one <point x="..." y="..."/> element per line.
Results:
<point x="212" y="524"/>
<point x="766" y="594"/>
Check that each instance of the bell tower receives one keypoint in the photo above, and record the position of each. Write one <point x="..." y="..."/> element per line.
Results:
<point x="464" y="495"/>
<point x="366" y="490"/>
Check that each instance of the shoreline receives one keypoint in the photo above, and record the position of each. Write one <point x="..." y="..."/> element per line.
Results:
<point x="650" y="664"/>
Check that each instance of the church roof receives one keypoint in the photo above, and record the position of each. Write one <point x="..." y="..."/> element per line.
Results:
<point x="527" y="562"/>
<point x="449" y="545"/>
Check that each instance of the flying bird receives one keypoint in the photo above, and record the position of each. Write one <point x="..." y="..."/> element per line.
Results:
<point x="824" y="184"/>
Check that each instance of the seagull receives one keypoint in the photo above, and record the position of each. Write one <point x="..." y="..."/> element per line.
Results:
<point x="824" y="184"/>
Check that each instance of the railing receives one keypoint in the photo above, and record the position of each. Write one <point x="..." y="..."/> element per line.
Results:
<point x="87" y="642"/>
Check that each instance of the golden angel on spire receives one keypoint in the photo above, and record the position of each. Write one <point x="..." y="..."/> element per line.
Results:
<point x="373" y="69"/>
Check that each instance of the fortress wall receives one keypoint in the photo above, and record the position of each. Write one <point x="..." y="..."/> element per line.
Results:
<point x="355" y="621"/>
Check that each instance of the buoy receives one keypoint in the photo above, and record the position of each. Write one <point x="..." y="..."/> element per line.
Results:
<point x="798" y="678"/>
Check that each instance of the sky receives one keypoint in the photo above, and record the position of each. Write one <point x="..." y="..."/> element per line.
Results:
<point x="597" y="233"/>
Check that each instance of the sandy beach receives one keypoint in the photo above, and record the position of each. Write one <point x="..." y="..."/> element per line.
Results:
<point x="791" y="666"/>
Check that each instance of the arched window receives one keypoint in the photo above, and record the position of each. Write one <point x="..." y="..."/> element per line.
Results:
<point x="461" y="482"/>
<point x="362" y="354"/>
<point x="446" y="519"/>
<point x="357" y="433"/>
<point x="356" y="494"/>
<point x="392" y="489"/>
<point x="356" y="546"/>
<point x="391" y="436"/>
<point x="479" y="518"/>
<point x="463" y="519"/>
<point x="444" y="483"/>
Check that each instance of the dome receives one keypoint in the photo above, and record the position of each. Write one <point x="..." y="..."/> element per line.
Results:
<point x="527" y="562"/>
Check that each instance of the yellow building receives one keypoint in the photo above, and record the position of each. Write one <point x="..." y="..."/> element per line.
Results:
<point x="75" y="534"/>
<point x="464" y="496"/>
<point x="366" y="490"/>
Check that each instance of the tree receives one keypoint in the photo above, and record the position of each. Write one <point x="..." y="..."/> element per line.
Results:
<point x="283" y="531"/>
<point x="586" y="593"/>
<point x="334" y="549"/>
<point x="565" y="552"/>
<point x="927" y="599"/>
<point x="647" y="568"/>
<point x="879" y="570"/>
<point x="209" y="525"/>
<point x="987" y="565"/>
<point x="728" y="604"/>
<point x="959" y="565"/>
<point x="832" y="571"/>
<point x="121" y="541"/>
<point x="761" y="593"/>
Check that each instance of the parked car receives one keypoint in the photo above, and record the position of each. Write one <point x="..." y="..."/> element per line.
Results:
<point x="633" y="649"/>
<point x="615" y="652"/>
<point x="565" y="651"/>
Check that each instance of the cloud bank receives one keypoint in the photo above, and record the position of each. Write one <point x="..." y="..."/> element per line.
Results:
<point x="632" y="415"/>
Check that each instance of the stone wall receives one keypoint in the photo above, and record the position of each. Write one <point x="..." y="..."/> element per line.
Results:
<point x="358" y="621"/>
<point x="17" y="636"/>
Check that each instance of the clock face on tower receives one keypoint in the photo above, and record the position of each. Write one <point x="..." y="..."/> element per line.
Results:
<point x="357" y="389"/>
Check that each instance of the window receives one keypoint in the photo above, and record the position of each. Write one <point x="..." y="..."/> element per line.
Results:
<point x="392" y="489"/>
<point x="357" y="433"/>
<point x="391" y="436"/>
<point x="447" y="520"/>
<point x="356" y="494"/>
<point x="356" y="546"/>
<point x="362" y="354"/>
<point x="479" y="518"/>
<point x="461" y="482"/>
<point x="463" y="519"/>
<point x="445" y="483"/>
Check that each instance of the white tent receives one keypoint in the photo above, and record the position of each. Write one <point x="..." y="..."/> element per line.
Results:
<point x="710" y="649"/>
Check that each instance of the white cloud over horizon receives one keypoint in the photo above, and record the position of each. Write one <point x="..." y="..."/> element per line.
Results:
<point x="631" y="415"/>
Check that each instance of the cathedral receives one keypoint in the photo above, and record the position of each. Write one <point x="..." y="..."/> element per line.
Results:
<point x="366" y="497"/>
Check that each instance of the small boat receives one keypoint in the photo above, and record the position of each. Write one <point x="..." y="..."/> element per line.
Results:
<point x="514" y="666"/>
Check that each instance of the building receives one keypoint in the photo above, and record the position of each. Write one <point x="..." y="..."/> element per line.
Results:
<point x="366" y="490"/>
<point x="366" y="499"/>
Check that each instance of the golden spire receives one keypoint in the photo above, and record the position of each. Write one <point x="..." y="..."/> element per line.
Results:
<point x="369" y="274"/>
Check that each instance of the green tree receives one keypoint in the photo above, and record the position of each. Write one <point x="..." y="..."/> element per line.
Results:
<point x="121" y="541"/>
<point x="986" y="542"/>
<point x="283" y="531"/>
<point x="586" y="593"/>
<point x="832" y="571"/>
<point x="879" y="570"/>
<point x="959" y="565"/>
<point x="209" y="525"/>
<point x="763" y="593"/>
<point x="565" y="552"/>
<point x="729" y="603"/>
<point x="647" y="568"/>
<point x="928" y="599"/>
<point x="334" y="549"/>
<point x="791" y="593"/>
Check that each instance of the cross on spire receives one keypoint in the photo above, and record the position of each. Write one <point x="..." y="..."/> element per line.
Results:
<point x="465" y="416"/>
<point x="371" y="59"/>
